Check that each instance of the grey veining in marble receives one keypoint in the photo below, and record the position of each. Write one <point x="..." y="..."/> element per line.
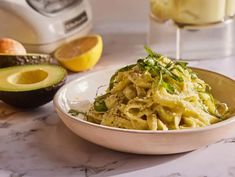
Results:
<point x="35" y="143"/>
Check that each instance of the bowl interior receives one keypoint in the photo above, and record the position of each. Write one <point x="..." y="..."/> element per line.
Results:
<point x="80" y="93"/>
<point x="223" y="88"/>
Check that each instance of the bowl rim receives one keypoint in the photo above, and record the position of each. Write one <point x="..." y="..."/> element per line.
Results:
<point x="84" y="122"/>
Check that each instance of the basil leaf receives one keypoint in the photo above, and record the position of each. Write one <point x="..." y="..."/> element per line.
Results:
<point x="99" y="104"/>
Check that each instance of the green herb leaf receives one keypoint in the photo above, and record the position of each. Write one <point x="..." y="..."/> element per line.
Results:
<point x="74" y="112"/>
<point x="170" y="89"/>
<point x="154" y="66"/>
<point x="182" y="64"/>
<point x="177" y="78"/>
<point x="171" y="74"/>
<point x="99" y="104"/>
<point x="149" y="62"/>
<point x="169" y="65"/>
<point x="149" y="51"/>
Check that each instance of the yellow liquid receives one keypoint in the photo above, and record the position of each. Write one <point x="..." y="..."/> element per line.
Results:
<point x="192" y="11"/>
<point x="199" y="11"/>
<point x="230" y="7"/>
<point x="161" y="9"/>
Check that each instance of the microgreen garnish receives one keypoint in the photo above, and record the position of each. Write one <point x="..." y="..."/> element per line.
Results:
<point x="152" y="63"/>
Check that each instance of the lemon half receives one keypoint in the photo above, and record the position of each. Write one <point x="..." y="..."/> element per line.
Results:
<point x="80" y="54"/>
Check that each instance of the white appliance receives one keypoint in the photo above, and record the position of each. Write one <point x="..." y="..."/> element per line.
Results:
<point x="43" y="25"/>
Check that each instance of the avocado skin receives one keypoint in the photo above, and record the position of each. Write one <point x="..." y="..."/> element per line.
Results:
<point x="15" y="60"/>
<point x="32" y="98"/>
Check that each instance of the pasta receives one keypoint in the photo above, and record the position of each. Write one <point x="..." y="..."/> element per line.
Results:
<point x="156" y="94"/>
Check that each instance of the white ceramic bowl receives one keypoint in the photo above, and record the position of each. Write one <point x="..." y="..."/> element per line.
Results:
<point x="78" y="92"/>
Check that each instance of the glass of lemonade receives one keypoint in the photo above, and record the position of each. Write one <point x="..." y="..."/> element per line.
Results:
<point x="187" y="17"/>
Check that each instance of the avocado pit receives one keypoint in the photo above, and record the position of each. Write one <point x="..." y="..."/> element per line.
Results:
<point x="28" y="77"/>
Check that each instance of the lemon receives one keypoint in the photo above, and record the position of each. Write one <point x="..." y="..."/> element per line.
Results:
<point x="80" y="54"/>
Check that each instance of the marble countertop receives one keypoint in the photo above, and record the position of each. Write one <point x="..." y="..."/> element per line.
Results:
<point x="35" y="143"/>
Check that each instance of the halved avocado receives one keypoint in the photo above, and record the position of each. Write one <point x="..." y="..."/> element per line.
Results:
<point x="7" y="60"/>
<point x="30" y="85"/>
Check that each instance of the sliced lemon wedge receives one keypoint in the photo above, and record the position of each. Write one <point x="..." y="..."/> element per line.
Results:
<point x="80" y="54"/>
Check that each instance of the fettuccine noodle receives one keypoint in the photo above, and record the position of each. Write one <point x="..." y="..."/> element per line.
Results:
<point x="156" y="94"/>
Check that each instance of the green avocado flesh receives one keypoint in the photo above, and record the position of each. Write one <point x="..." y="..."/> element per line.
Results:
<point x="30" y="85"/>
<point x="7" y="60"/>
